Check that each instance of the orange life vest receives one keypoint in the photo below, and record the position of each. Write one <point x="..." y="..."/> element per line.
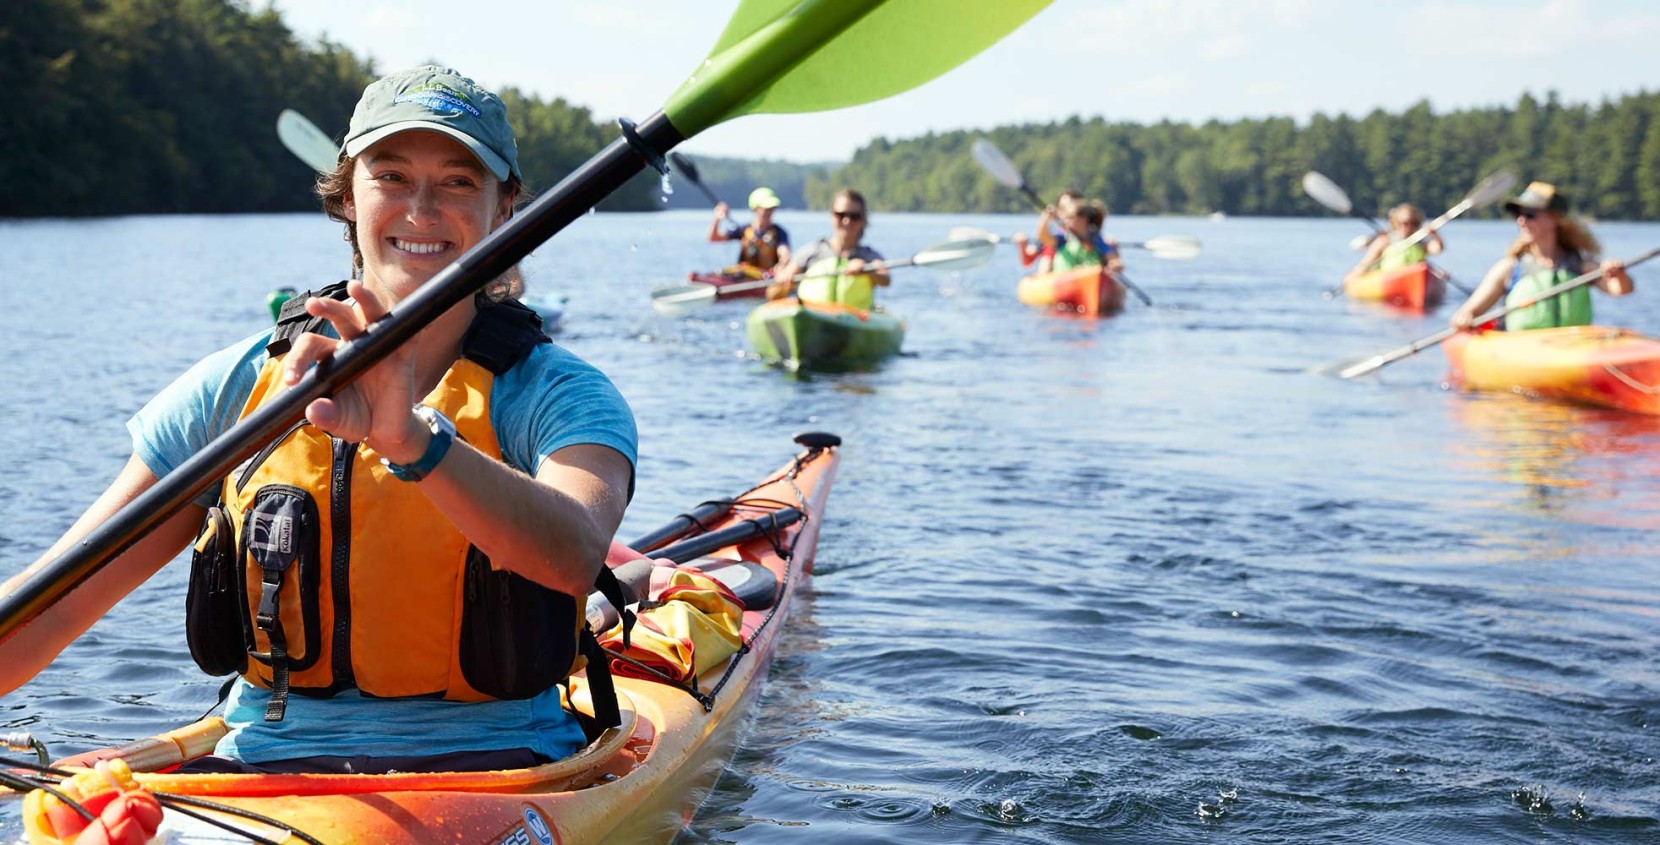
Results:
<point x="319" y="571"/>
<point x="759" y="249"/>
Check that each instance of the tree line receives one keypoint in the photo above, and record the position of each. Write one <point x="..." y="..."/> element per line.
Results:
<point x="170" y="106"/>
<point x="1605" y="157"/>
<point x="731" y="179"/>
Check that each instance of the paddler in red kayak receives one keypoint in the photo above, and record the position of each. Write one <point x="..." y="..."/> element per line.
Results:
<point x="834" y="269"/>
<point x="1080" y="241"/>
<point x="1551" y="248"/>
<point x="1388" y="251"/>
<point x="762" y="245"/>
<point x="399" y="580"/>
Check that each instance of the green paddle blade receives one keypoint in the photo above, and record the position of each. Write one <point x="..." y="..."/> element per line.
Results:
<point x="308" y="143"/>
<point x="1325" y="192"/>
<point x="791" y="56"/>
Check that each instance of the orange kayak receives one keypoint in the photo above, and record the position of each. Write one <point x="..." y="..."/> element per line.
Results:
<point x="1414" y="287"/>
<point x="1589" y="365"/>
<point x="639" y="782"/>
<point x="1084" y="290"/>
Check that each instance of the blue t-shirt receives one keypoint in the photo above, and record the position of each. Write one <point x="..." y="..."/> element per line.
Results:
<point x="550" y="400"/>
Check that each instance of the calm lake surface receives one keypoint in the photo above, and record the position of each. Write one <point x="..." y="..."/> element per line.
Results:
<point x="1142" y="579"/>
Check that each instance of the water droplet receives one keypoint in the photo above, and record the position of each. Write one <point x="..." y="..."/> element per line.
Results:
<point x="668" y="186"/>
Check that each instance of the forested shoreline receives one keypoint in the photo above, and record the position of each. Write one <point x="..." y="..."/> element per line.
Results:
<point x="170" y="106"/>
<point x="1606" y="157"/>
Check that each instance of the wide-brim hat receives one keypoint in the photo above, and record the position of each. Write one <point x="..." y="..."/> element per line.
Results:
<point x="436" y="99"/>
<point x="1539" y="196"/>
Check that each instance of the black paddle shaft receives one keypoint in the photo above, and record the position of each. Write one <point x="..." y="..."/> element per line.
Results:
<point x="567" y="201"/>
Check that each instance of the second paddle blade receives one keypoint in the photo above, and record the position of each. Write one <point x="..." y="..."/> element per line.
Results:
<point x="679" y="300"/>
<point x="956" y="255"/>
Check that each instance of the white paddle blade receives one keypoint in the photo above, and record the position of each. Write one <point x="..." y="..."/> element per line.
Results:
<point x="306" y="141"/>
<point x="956" y="255"/>
<point x="1325" y="192"/>
<point x="993" y="161"/>
<point x="679" y="300"/>
<point x="1492" y="188"/>
<point x="1360" y="241"/>
<point x="969" y="233"/>
<point x="1173" y="247"/>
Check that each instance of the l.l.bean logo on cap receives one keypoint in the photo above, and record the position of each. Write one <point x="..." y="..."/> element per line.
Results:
<point x="440" y="98"/>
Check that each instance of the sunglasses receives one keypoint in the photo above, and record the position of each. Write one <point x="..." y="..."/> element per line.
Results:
<point x="1527" y="213"/>
<point x="850" y="216"/>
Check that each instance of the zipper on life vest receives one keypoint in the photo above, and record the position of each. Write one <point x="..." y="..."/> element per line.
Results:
<point x="340" y="553"/>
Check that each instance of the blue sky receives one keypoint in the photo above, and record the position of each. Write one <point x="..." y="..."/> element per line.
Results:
<point x="1136" y="60"/>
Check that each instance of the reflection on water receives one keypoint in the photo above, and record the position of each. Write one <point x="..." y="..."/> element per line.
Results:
<point x="1591" y="465"/>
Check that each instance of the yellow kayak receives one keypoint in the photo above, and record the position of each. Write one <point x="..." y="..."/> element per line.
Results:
<point x="639" y="782"/>
<point x="1590" y="365"/>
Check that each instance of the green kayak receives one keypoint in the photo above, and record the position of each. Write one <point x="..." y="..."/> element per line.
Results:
<point x="823" y="336"/>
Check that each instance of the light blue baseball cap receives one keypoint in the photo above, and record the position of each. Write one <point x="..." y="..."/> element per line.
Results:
<point x="436" y="99"/>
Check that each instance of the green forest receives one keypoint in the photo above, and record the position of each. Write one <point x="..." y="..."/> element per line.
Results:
<point x="731" y="179"/>
<point x="1606" y="158"/>
<point x="170" y="106"/>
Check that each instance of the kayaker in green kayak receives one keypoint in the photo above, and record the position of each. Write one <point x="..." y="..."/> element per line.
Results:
<point x="762" y="244"/>
<point x="1386" y="250"/>
<point x="1551" y="248"/>
<point x="399" y="585"/>
<point x="833" y="270"/>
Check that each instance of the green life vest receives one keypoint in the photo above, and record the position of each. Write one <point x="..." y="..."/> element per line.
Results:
<point x="1528" y="279"/>
<point x="1076" y="252"/>
<point x="835" y="286"/>
<point x="1395" y="255"/>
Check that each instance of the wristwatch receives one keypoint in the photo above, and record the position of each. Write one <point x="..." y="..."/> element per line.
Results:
<point x="443" y="433"/>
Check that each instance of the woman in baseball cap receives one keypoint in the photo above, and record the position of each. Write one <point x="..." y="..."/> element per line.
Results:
<point x="420" y="550"/>
<point x="1551" y="248"/>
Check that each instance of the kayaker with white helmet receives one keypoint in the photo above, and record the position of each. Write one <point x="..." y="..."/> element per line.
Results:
<point x="763" y="244"/>
<point x="1551" y="248"/>
<point x="834" y="269"/>
<point x="398" y="580"/>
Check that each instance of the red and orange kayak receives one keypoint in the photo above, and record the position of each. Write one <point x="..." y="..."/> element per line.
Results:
<point x="735" y="282"/>
<point x="1414" y="287"/>
<point x="639" y="782"/>
<point x="1084" y="290"/>
<point x="1589" y="365"/>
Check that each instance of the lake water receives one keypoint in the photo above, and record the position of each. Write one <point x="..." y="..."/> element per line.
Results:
<point x="1142" y="579"/>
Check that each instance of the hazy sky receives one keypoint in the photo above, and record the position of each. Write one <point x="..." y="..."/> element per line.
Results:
<point x="1135" y="60"/>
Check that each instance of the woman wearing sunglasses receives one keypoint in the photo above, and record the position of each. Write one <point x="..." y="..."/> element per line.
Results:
<point x="1551" y="248"/>
<point x="834" y="269"/>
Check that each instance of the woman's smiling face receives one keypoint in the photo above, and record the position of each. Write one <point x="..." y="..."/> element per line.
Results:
<point x="420" y="199"/>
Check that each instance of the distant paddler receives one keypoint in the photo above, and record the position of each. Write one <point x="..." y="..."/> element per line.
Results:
<point x="1395" y="248"/>
<point x="835" y="268"/>
<point x="1080" y="241"/>
<point x="1551" y="248"/>
<point x="763" y="244"/>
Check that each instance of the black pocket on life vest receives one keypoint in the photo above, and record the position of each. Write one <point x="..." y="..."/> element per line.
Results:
<point x="214" y="606"/>
<point x="518" y="638"/>
<point x="281" y="536"/>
